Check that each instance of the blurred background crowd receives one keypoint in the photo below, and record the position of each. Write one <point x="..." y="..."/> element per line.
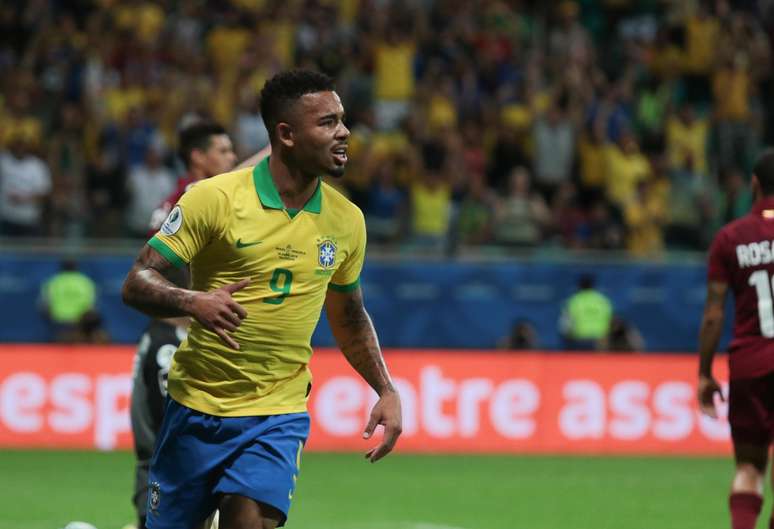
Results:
<point x="609" y="124"/>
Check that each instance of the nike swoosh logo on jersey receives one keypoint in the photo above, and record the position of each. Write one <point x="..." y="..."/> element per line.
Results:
<point x="240" y="244"/>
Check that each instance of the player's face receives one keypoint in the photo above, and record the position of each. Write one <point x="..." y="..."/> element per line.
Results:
<point x="319" y="134"/>
<point x="219" y="157"/>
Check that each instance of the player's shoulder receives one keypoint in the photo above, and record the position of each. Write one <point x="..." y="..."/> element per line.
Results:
<point x="225" y="181"/>
<point x="735" y="230"/>
<point x="338" y="203"/>
<point x="221" y="188"/>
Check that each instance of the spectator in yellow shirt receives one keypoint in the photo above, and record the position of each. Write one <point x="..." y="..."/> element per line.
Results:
<point x="226" y="43"/>
<point x="701" y="35"/>
<point x="431" y="201"/>
<point x="16" y="120"/>
<point x="626" y="167"/>
<point x="592" y="148"/>
<point x="731" y="87"/>
<point x="665" y="56"/>
<point x="645" y="214"/>
<point x="393" y="77"/>
<point x="686" y="136"/>
<point x="145" y="19"/>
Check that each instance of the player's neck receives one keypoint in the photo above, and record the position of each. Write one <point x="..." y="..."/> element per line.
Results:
<point x="295" y="188"/>
<point x="762" y="202"/>
<point x="195" y="174"/>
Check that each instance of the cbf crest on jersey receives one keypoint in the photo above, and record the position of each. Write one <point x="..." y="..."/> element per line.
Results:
<point x="173" y="222"/>
<point x="326" y="254"/>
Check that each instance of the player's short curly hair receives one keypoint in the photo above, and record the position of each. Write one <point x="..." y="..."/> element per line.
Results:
<point x="197" y="137"/>
<point x="284" y="89"/>
<point x="764" y="170"/>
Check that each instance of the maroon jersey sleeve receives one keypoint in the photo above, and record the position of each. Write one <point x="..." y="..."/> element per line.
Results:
<point x="720" y="265"/>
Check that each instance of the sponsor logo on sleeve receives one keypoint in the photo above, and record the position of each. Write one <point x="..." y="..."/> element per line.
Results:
<point x="173" y="222"/>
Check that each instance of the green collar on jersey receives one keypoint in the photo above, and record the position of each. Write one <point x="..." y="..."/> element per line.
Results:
<point x="267" y="191"/>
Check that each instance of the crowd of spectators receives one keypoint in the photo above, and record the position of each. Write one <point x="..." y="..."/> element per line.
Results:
<point x="615" y="124"/>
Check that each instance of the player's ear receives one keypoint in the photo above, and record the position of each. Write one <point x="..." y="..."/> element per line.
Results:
<point x="285" y="134"/>
<point x="197" y="157"/>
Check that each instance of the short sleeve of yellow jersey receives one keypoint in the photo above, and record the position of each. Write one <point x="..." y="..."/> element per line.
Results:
<point x="198" y="218"/>
<point x="347" y="277"/>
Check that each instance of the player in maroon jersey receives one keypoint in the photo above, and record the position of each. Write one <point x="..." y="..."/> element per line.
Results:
<point x="741" y="260"/>
<point x="206" y="150"/>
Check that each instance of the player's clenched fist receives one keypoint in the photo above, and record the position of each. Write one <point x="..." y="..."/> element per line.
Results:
<point x="706" y="390"/>
<point x="217" y="311"/>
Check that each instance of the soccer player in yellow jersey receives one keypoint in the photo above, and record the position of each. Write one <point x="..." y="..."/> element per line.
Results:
<point x="267" y="247"/>
<point x="206" y="150"/>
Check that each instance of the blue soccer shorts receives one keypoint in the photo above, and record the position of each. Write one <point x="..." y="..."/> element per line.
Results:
<point x="200" y="457"/>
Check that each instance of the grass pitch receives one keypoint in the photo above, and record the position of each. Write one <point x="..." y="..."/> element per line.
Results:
<point x="44" y="490"/>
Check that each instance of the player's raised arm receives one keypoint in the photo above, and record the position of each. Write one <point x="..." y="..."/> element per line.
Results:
<point x="356" y="337"/>
<point x="709" y="337"/>
<point x="148" y="290"/>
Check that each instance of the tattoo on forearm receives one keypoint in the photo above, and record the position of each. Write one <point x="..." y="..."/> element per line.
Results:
<point x="360" y="345"/>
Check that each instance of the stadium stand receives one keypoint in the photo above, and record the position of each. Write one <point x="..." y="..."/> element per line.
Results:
<point x="479" y="130"/>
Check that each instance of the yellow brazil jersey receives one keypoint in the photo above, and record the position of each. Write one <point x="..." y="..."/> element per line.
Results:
<point x="235" y="226"/>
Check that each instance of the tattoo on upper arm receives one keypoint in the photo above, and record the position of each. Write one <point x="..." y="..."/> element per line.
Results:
<point x="149" y="258"/>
